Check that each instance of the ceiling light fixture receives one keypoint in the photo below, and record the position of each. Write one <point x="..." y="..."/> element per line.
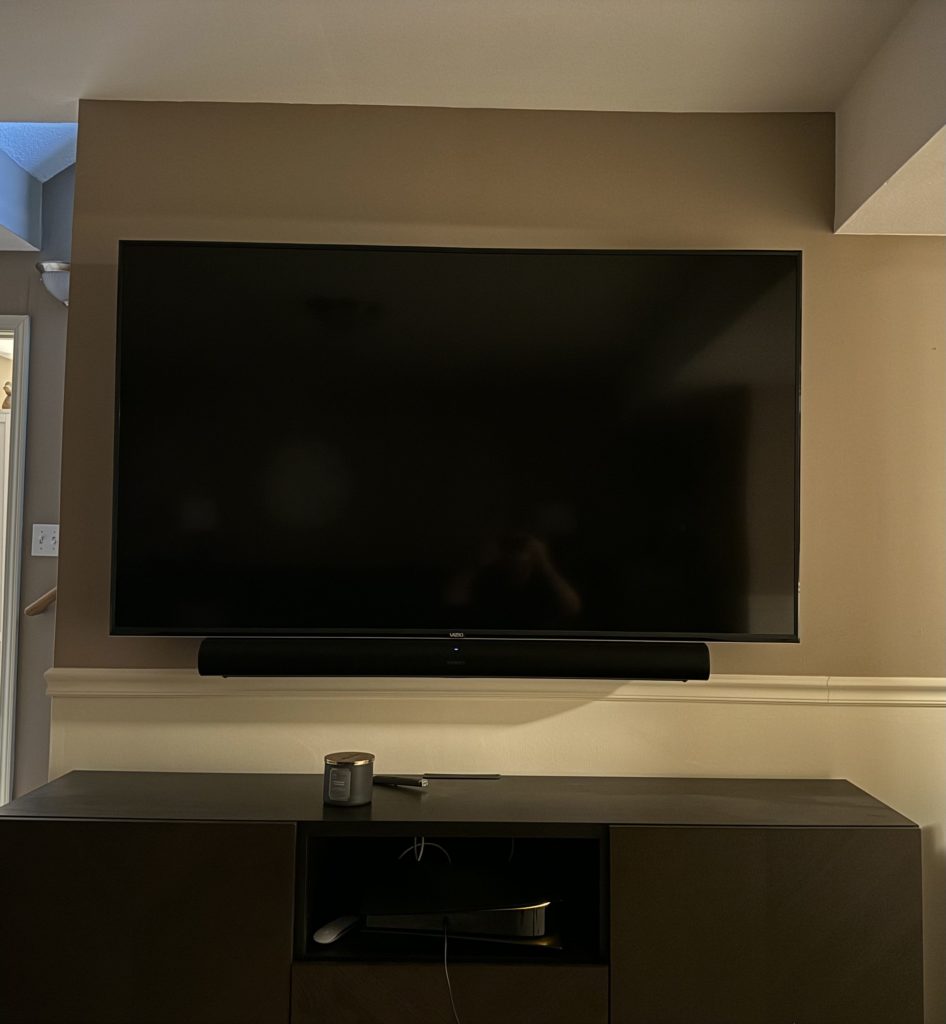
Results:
<point x="55" y="276"/>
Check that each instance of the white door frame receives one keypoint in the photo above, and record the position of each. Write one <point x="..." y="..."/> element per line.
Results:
<point x="10" y="622"/>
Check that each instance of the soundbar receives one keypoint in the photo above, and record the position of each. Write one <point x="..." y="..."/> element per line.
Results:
<point x="413" y="656"/>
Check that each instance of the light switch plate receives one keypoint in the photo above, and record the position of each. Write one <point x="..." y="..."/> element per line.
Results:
<point x="46" y="539"/>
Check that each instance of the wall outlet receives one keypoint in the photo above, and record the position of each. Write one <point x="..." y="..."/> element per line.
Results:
<point x="46" y="539"/>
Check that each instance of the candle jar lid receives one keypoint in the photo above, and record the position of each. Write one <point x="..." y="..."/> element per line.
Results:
<point x="349" y="758"/>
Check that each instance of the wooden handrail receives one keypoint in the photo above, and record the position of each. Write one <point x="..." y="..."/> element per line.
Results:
<point x="41" y="603"/>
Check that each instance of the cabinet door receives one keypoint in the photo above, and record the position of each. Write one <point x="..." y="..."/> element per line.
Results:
<point x="146" y="922"/>
<point x="765" y="925"/>
<point x="343" y="993"/>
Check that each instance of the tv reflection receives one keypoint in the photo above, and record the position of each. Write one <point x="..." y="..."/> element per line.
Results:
<point x="513" y="579"/>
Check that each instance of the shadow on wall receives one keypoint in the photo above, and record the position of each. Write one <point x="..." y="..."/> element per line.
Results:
<point x="333" y="709"/>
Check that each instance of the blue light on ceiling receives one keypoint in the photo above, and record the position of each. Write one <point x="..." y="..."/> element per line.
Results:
<point x="41" y="149"/>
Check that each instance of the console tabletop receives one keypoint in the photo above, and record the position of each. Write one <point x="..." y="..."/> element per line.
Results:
<point x="539" y="800"/>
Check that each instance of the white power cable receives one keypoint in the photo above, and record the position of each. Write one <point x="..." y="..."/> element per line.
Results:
<point x="418" y="850"/>
<point x="446" y="972"/>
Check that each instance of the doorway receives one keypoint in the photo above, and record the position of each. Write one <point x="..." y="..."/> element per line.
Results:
<point x="14" y="367"/>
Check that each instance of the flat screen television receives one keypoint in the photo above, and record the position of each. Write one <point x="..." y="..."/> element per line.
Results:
<point x="327" y="440"/>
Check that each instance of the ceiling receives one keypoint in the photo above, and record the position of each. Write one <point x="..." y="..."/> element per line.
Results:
<point x="655" y="55"/>
<point x="42" y="150"/>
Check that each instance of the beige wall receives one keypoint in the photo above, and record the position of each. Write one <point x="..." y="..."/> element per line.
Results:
<point x="873" y="503"/>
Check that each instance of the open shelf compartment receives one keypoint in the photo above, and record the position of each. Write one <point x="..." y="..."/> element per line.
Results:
<point x="495" y="898"/>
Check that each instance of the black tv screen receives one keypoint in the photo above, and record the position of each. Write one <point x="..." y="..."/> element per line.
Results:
<point x="365" y="440"/>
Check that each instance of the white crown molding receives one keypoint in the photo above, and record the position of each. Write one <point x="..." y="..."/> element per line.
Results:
<point x="923" y="691"/>
<point x="65" y="683"/>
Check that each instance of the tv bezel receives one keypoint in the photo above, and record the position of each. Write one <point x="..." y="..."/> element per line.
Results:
<point x="459" y="632"/>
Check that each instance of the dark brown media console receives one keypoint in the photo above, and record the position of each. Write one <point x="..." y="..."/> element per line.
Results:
<point x="162" y="897"/>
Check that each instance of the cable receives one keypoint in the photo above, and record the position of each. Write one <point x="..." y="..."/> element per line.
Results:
<point x="446" y="974"/>
<point x="418" y="850"/>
